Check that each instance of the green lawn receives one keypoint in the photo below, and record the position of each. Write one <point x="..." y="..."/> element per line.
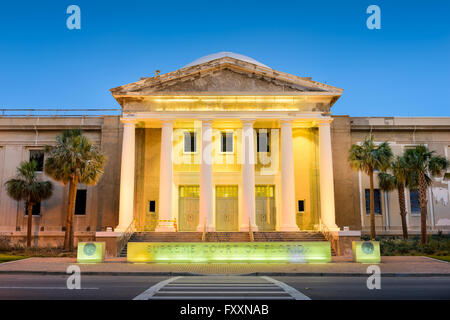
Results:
<point x="9" y="257"/>
<point x="443" y="258"/>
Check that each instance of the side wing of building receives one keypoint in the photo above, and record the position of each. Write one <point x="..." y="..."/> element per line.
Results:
<point x="24" y="138"/>
<point x="351" y="187"/>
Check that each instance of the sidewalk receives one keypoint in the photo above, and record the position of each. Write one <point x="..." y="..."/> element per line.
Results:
<point x="341" y="266"/>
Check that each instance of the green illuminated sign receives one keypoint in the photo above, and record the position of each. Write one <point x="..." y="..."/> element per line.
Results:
<point x="90" y="252"/>
<point x="284" y="252"/>
<point x="366" y="251"/>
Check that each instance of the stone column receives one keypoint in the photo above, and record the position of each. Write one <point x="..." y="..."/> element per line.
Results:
<point x="248" y="177"/>
<point x="126" y="202"/>
<point x="166" y="179"/>
<point x="288" y="212"/>
<point x="206" y="182"/>
<point x="326" y="176"/>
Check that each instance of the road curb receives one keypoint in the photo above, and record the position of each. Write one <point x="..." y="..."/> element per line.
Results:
<point x="269" y="274"/>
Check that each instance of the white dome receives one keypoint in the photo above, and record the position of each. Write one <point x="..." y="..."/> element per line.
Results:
<point x="223" y="54"/>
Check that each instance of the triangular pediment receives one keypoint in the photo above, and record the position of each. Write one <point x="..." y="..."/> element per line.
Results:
<point x="225" y="74"/>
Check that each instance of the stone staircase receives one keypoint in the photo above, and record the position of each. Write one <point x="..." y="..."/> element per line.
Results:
<point x="224" y="237"/>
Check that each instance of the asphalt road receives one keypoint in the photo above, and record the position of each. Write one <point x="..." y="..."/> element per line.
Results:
<point x="53" y="287"/>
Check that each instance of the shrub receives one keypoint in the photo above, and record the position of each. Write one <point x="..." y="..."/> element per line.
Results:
<point x="438" y="244"/>
<point x="5" y="243"/>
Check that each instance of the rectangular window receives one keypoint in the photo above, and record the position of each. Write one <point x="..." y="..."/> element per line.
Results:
<point x="226" y="142"/>
<point x="38" y="156"/>
<point x="262" y="141"/>
<point x="80" y="202"/>
<point x="414" y="201"/>
<point x="190" y="142"/>
<point x="152" y="206"/>
<point x="36" y="211"/>
<point x="376" y="193"/>
<point x="301" y="206"/>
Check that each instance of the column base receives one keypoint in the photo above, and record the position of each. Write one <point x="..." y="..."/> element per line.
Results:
<point x="120" y="229"/>
<point x="289" y="228"/>
<point x="333" y="228"/>
<point x="201" y="228"/>
<point x="245" y="228"/>
<point x="165" y="227"/>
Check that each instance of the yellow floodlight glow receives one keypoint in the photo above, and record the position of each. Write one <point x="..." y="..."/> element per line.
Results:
<point x="366" y="251"/>
<point x="195" y="252"/>
<point x="91" y="252"/>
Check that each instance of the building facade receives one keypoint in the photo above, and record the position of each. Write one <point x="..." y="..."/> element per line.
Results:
<point x="223" y="144"/>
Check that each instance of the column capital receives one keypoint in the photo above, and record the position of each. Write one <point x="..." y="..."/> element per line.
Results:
<point x="286" y="122"/>
<point x="166" y="122"/>
<point x="248" y="122"/>
<point x="128" y="122"/>
<point x="207" y="122"/>
<point x="324" y="122"/>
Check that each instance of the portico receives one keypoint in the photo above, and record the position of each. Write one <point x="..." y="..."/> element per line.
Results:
<point x="245" y="156"/>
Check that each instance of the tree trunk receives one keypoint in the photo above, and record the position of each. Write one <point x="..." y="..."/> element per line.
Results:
<point x="401" y="203"/>
<point x="30" y="221"/>
<point x="372" y="207"/>
<point x="423" y="208"/>
<point x="68" y="237"/>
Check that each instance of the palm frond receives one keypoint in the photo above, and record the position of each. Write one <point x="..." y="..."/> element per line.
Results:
<point x="386" y="181"/>
<point x="26" y="186"/>
<point x="74" y="155"/>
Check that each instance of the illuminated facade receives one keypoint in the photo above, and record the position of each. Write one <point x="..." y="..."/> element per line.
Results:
<point x="221" y="144"/>
<point x="239" y="144"/>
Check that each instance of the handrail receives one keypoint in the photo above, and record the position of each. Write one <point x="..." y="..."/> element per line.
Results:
<point x="125" y="237"/>
<point x="204" y="232"/>
<point x="329" y="236"/>
<point x="250" y="231"/>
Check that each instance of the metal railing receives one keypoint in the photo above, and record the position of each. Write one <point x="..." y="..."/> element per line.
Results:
<point x="58" y="112"/>
<point x="125" y="237"/>
<point x="250" y="231"/>
<point x="329" y="236"/>
<point x="204" y="232"/>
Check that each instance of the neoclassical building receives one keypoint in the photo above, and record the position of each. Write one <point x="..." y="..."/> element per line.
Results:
<point x="228" y="144"/>
<point x="233" y="137"/>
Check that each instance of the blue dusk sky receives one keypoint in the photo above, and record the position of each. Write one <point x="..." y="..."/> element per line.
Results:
<point x="401" y="70"/>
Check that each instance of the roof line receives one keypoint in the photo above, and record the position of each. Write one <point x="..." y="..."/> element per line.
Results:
<point x="225" y="62"/>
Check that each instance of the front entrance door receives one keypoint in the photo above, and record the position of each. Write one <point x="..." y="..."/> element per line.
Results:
<point x="188" y="207"/>
<point x="265" y="207"/>
<point x="227" y="208"/>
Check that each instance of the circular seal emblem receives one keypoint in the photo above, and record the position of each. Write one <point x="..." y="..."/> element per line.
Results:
<point x="367" y="247"/>
<point x="89" y="249"/>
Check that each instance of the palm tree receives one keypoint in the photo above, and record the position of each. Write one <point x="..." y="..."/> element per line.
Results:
<point x="74" y="159"/>
<point x="25" y="186"/>
<point x="399" y="179"/>
<point x="424" y="165"/>
<point x="369" y="157"/>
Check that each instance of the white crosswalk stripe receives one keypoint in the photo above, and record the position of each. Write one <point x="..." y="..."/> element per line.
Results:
<point x="221" y="288"/>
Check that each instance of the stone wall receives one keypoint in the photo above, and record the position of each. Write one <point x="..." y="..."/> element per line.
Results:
<point x="20" y="135"/>
<point x="400" y="133"/>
